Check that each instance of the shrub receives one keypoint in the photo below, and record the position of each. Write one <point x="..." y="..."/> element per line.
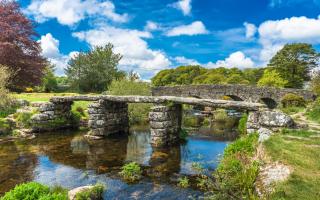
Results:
<point x="34" y="191"/>
<point x="131" y="172"/>
<point x="94" y="193"/>
<point x="23" y="119"/>
<point x="237" y="170"/>
<point x="220" y="115"/>
<point x="6" y="102"/>
<point x="183" y="182"/>
<point x="242" y="126"/>
<point x="5" y="127"/>
<point x="183" y="134"/>
<point x="293" y="100"/>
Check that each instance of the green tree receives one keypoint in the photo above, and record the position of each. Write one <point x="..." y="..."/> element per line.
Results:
<point x="271" y="78"/>
<point x="49" y="81"/>
<point x="252" y="75"/>
<point x="294" y="62"/>
<point x="94" y="70"/>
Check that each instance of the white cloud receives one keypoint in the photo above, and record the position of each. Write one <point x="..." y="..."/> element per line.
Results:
<point x="195" y="28"/>
<point x="152" y="26"/>
<point x="137" y="55"/>
<point x="251" y="30"/>
<point x="236" y="59"/>
<point x="70" y="12"/>
<point x="50" y="50"/>
<point x="185" y="61"/>
<point x="273" y="34"/>
<point x="184" y="6"/>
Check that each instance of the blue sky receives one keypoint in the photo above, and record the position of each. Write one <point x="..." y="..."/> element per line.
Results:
<point x="158" y="34"/>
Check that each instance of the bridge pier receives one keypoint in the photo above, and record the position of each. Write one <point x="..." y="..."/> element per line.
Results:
<point x="165" y="124"/>
<point x="108" y="117"/>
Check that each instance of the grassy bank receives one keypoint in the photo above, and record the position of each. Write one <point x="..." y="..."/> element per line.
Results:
<point x="300" y="151"/>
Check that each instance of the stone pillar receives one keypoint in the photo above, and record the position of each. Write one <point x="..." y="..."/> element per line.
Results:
<point x="53" y="116"/>
<point x="108" y="117"/>
<point x="165" y="124"/>
<point x="253" y="122"/>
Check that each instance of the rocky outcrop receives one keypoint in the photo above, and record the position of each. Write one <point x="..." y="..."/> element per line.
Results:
<point x="165" y="124"/>
<point x="266" y="121"/>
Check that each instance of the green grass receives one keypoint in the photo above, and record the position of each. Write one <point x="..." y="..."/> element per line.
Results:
<point x="292" y="110"/>
<point x="303" y="157"/>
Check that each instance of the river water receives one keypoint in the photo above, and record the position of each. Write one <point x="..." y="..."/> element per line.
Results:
<point x="68" y="159"/>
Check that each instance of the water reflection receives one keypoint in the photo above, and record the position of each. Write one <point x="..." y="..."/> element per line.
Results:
<point x="70" y="160"/>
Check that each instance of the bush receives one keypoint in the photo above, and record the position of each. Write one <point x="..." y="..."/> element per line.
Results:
<point x="94" y="193"/>
<point x="6" y="102"/>
<point x="237" y="171"/>
<point x="34" y="191"/>
<point x="183" y="134"/>
<point x="183" y="182"/>
<point x="293" y="100"/>
<point x="23" y="119"/>
<point x="131" y="172"/>
<point x="242" y="126"/>
<point x="220" y="115"/>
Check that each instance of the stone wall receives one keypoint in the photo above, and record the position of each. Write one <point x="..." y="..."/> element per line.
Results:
<point x="107" y="117"/>
<point x="165" y="124"/>
<point x="52" y="116"/>
<point x="243" y="92"/>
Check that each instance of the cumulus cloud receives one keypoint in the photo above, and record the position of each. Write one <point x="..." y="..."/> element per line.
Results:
<point x="70" y="12"/>
<point x="251" y="30"/>
<point x="195" y="28"/>
<point x="152" y="26"/>
<point x="184" y="6"/>
<point x="50" y="50"/>
<point x="273" y="34"/>
<point x="185" y="61"/>
<point x="130" y="43"/>
<point x="236" y="59"/>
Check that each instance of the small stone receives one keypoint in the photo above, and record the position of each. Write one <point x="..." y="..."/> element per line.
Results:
<point x="264" y="134"/>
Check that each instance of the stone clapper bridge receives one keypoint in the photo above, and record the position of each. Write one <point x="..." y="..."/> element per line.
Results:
<point x="109" y="115"/>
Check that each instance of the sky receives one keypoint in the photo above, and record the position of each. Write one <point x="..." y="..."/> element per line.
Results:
<point x="153" y="35"/>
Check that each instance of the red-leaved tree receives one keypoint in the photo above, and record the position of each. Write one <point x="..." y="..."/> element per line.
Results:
<point x="18" y="49"/>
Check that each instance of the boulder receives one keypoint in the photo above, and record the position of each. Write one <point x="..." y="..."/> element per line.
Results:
<point x="264" y="134"/>
<point x="275" y="119"/>
<point x="72" y="193"/>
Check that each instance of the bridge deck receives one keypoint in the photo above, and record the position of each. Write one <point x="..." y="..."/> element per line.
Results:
<point x="239" y="105"/>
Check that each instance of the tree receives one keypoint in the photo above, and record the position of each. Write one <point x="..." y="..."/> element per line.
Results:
<point x="271" y="78"/>
<point x="294" y="63"/>
<point x="49" y="81"/>
<point x="18" y="51"/>
<point x="93" y="71"/>
<point x="315" y="83"/>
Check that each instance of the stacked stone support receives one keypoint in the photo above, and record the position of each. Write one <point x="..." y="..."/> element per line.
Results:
<point x="165" y="124"/>
<point x="108" y="117"/>
<point x="52" y="116"/>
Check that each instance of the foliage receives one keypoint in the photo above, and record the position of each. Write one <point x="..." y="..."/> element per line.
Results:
<point x="237" y="172"/>
<point x="49" y="81"/>
<point x="5" y="126"/>
<point x="242" y="126"/>
<point x="94" y="193"/>
<point x="34" y="191"/>
<point x="313" y="113"/>
<point x="271" y="78"/>
<point x="292" y="110"/>
<point x="94" y="70"/>
<point x="138" y="113"/>
<point x="183" y="182"/>
<point x="302" y="157"/>
<point x="315" y="82"/>
<point x="131" y="172"/>
<point x="294" y="63"/>
<point x="183" y="134"/>
<point x="23" y="119"/>
<point x="19" y="51"/>
<point x="220" y="115"/>
<point x="293" y="100"/>
<point x="186" y="75"/>
<point x="6" y="102"/>
<point x="182" y="75"/>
